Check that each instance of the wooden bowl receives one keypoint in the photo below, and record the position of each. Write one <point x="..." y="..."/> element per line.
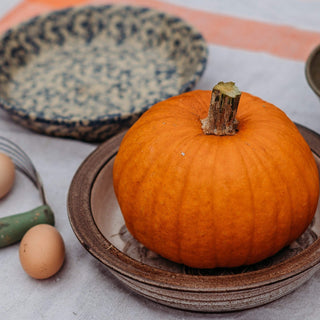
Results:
<point x="98" y="224"/>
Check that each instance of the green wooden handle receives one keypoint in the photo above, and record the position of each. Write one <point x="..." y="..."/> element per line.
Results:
<point x="13" y="228"/>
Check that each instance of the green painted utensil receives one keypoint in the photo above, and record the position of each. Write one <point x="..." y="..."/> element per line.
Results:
<point x="13" y="227"/>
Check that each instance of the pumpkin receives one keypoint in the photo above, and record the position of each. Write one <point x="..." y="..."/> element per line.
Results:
<point x="219" y="186"/>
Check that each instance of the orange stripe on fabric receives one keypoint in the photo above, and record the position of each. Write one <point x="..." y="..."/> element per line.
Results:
<point x="59" y="3"/>
<point x="278" y="40"/>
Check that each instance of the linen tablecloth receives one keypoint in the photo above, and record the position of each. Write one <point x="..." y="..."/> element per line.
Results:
<point x="262" y="46"/>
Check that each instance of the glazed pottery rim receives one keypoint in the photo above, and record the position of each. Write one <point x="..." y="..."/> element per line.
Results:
<point x="89" y="235"/>
<point x="13" y="108"/>
<point x="308" y="67"/>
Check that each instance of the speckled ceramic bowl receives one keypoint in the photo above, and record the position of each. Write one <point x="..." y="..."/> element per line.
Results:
<point x="97" y="222"/>
<point x="88" y="72"/>
<point x="312" y="70"/>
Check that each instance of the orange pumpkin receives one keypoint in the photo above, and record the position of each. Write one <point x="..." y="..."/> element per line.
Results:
<point x="208" y="200"/>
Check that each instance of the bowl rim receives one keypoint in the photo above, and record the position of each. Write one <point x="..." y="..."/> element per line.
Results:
<point x="308" y="65"/>
<point x="89" y="235"/>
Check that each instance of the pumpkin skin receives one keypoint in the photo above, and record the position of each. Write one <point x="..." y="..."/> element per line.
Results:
<point x="211" y="201"/>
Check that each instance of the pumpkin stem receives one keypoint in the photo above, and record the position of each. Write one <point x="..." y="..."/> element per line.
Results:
<point x="221" y="120"/>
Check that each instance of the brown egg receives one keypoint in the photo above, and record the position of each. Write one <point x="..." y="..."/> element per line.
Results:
<point x="42" y="251"/>
<point x="7" y="174"/>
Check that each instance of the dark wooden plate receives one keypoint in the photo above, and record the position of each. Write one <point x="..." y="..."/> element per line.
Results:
<point x="98" y="224"/>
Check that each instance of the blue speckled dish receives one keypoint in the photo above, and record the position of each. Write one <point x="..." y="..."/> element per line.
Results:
<point x="89" y="72"/>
